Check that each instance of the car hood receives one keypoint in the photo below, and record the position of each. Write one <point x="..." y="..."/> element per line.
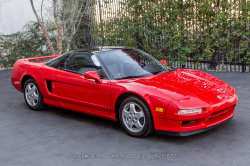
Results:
<point x="181" y="84"/>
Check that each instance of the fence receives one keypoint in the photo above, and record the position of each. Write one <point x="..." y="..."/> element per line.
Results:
<point x="202" y="34"/>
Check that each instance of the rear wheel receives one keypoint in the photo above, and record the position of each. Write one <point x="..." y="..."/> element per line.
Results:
<point x="33" y="96"/>
<point x="135" y="117"/>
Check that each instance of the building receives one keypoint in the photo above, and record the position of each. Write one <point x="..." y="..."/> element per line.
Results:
<point x="14" y="14"/>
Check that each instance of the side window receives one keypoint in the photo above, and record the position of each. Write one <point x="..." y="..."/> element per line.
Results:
<point x="58" y="61"/>
<point x="81" y="62"/>
<point x="61" y="64"/>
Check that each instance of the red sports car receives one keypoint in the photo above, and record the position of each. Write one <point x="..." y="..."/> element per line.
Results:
<point x="129" y="86"/>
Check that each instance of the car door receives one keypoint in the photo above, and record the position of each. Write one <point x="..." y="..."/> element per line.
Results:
<point x="78" y="93"/>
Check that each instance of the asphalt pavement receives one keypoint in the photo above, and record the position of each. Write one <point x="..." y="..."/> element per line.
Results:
<point x="61" y="137"/>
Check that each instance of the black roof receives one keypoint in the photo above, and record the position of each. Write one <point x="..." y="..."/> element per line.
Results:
<point x="87" y="50"/>
<point x="104" y="48"/>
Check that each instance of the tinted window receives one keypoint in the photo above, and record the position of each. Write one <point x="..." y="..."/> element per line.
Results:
<point x="81" y="62"/>
<point x="122" y="63"/>
<point x="58" y="61"/>
<point x="61" y="64"/>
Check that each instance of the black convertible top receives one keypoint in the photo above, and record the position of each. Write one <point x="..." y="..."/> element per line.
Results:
<point x="104" y="48"/>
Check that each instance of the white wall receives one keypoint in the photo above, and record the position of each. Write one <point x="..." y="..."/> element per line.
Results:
<point x="14" y="14"/>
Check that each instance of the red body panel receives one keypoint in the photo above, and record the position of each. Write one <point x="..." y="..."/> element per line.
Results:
<point x="76" y="92"/>
<point x="172" y="91"/>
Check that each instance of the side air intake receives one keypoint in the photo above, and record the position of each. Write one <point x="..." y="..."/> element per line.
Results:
<point x="48" y="82"/>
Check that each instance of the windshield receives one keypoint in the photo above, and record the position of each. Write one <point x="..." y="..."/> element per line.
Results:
<point x="130" y="63"/>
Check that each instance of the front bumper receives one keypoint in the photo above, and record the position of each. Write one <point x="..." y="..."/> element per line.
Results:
<point x="193" y="126"/>
<point x="187" y="133"/>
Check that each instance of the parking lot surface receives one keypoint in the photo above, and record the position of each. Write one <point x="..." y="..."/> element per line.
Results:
<point x="60" y="137"/>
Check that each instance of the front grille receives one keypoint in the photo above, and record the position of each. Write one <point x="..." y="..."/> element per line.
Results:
<point x="222" y="113"/>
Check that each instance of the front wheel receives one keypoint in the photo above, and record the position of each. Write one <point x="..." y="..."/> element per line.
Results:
<point x="135" y="117"/>
<point x="33" y="96"/>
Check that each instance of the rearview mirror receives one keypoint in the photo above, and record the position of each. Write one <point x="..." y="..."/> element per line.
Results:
<point x="163" y="62"/>
<point x="93" y="75"/>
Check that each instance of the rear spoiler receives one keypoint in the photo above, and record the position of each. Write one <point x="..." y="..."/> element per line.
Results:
<point x="37" y="59"/>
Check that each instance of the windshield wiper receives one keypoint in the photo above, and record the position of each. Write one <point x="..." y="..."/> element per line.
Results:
<point x="165" y="71"/>
<point x="129" y="77"/>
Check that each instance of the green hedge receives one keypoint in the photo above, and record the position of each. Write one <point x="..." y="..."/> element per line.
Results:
<point x="31" y="43"/>
<point x="168" y="29"/>
<point x="178" y="29"/>
<point x="25" y="44"/>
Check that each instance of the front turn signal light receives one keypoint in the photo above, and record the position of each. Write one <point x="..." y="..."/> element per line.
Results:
<point x="158" y="109"/>
<point x="232" y="99"/>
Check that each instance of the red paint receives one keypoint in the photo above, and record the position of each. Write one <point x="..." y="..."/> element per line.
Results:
<point x="164" y="62"/>
<point x="93" y="75"/>
<point x="172" y="91"/>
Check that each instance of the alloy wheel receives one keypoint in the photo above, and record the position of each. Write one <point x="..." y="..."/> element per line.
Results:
<point x="31" y="94"/>
<point x="133" y="117"/>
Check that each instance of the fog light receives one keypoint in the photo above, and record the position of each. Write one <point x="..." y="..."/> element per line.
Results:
<point x="188" y="122"/>
<point x="193" y="111"/>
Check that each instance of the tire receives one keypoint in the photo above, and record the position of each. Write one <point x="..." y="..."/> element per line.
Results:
<point x="135" y="117"/>
<point x="33" y="96"/>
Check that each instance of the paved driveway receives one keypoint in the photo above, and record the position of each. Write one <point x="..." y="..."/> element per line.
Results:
<point x="60" y="137"/>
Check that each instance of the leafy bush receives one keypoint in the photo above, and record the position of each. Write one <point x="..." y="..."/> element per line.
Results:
<point x="25" y="44"/>
<point x="175" y="30"/>
<point x="178" y="30"/>
<point x="31" y="43"/>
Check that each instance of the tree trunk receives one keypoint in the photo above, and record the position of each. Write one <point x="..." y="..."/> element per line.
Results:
<point x="58" y="29"/>
<point x="52" y="50"/>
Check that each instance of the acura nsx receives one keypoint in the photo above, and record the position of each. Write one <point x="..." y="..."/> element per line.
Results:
<point x="126" y="85"/>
